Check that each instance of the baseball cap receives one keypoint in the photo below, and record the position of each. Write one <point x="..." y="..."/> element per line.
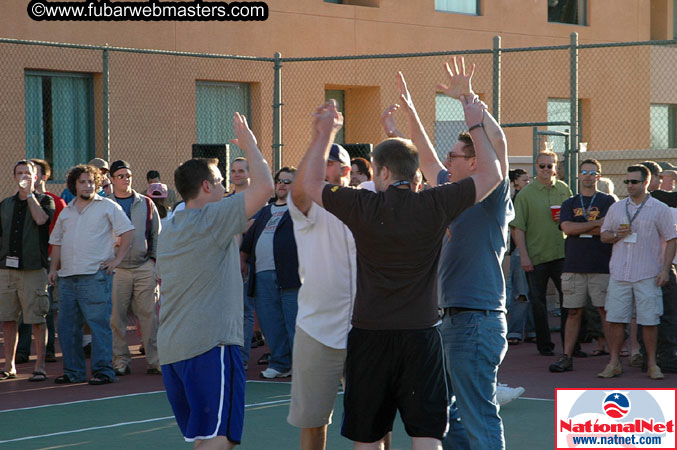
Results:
<point x="340" y="154"/>
<point x="119" y="164"/>
<point x="99" y="163"/>
<point x="157" y="190"/>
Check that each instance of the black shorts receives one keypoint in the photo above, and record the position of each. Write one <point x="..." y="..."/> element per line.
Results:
<point x="390" y="370"/>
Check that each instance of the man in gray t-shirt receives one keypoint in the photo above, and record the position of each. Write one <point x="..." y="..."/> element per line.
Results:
<point x="201" y="314"/>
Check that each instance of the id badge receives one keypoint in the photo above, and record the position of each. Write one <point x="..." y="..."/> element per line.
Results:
<point x="586" y="236"/>
<point x="631" y="238"/>
<point x="12" y="261"/>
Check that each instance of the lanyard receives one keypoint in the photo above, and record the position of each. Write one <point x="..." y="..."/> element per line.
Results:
<point x="587" y="211"/>
<point x="400" y="183"/>
<point x="627" y="213"/>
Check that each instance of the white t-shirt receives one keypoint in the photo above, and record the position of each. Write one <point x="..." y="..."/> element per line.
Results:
<point x="265" y="254"/>
<point x="328" y="273"/>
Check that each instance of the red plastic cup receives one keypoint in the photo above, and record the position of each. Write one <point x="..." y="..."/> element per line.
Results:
<point x="555" y="210"/>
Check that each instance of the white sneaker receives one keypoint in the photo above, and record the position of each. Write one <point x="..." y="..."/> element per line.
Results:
<point x="272" y="373"/>
<point x="506" y="394"/>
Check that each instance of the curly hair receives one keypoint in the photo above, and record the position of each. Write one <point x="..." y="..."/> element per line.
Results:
<point x="75" y="172"/>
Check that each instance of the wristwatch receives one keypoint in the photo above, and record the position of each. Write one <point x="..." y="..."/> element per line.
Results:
<point x="30" y="196"/>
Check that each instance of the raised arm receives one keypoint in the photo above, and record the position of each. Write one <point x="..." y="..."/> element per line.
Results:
<point x="326" y="123"/>
<point x="428" y="160"/>
<point x="298" y="194"/>
<point x="459" y="82"/>
<point x="488" y="174"/>
<point x="261" y="187"/>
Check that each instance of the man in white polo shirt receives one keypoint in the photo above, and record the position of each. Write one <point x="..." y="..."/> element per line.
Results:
<point x="327" y="270"/>
<point x="82" y="254"/>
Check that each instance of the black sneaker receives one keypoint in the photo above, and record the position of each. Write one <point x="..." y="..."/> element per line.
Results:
<point x="564" y="364"/>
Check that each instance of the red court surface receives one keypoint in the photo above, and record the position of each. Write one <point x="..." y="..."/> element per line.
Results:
<point x="523" y="366"/>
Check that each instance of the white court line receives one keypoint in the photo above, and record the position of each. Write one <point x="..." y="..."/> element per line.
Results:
<point x="80" y="401"/>
<point x="122" y="424"/>
<point x="119" y="396"/>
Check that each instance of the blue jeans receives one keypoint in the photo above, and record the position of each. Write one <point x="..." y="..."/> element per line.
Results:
<point x="276" y="309"/>
<point x="474" y="345"/>
<point x="520" y="314"/>
<point x="248" y="324"/>
<point x="86" y="298"/>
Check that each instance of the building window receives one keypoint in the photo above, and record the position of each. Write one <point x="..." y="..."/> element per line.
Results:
<point x="216" y="104"/>
<point x="559" y="110"/>
<point x="568" y="11"/>
<point x="458" y="6"/>
<point x="59" y="119"/>
<point x="340" y="96"/>
<point x="663" y="129"/>
<point x="449" y="122"/>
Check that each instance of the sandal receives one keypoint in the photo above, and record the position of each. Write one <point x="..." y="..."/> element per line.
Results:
<point x="599" y="352"/>
<point x="4" y="375"/>
<point x="38" y="376"/>
<point x="624" y="353"/>
<point x="513" y="341"/>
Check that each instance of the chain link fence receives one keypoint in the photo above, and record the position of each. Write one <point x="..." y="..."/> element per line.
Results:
<point x="70" y="103"/>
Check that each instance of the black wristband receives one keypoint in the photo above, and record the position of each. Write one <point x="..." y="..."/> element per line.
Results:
<point x="479" y="125"/>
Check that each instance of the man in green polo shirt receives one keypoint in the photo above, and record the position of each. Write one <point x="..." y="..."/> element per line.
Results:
<point x="541" y="242"/>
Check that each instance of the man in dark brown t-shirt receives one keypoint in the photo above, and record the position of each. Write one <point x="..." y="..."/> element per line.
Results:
<point x="394" y="360"/>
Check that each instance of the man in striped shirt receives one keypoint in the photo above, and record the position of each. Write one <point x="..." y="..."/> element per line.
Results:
<point x="644" y="239"/>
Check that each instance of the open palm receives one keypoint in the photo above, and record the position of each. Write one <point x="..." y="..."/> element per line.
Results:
<point x="459" y="80"/>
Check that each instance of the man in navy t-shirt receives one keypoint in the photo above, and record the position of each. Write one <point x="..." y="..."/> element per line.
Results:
<point x="471" y="287"/>
<point x="586" y="261"/>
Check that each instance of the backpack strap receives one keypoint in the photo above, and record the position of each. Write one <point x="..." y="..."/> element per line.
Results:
<point x="149" y="210"/>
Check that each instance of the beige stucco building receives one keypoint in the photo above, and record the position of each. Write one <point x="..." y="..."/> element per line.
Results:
<point x="161" y="104"/>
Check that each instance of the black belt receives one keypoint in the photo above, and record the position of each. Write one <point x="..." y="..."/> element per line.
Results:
<point x="452" y="311"/>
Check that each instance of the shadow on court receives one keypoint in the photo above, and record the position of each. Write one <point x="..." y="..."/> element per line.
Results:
<point x="145" y="421"/>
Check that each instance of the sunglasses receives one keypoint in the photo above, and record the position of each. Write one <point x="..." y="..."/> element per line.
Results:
<point x="632" y="181"/>
<point x="543" y="166"/>
<point x="283" y="181"/>
<point x="589" y="172"/>
<point x="451" y="155"/>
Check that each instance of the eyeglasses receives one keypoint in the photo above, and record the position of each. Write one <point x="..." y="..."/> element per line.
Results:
<point x="283" y="181"/>
<point x="632" y="181"/>
<point x="122" y="176"/>
<point x="543" y="166"/>
<point x="588" y="172"/>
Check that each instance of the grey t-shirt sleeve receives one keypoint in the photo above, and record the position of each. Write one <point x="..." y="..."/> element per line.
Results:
<point x="227" y="217"/>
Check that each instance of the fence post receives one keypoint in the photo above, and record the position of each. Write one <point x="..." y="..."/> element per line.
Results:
<point x="497" y="79"/>
<point x="573" y="133"/>
<point x="106" y="110"/>
<point x="277" y="114"/>
<point x="536" y="150"/>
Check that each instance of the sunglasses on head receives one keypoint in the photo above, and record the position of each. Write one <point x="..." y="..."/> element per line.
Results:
<point x="543" y="166"/>
<point x="589" y="172"/>
<point x="632" y="181"/>
<point x="283" y="181"/>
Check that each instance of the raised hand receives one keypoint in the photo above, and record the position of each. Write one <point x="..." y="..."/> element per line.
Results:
<point x="388" y="121"/>
<point x="327" y="119"/>
<point x="473" y="108"/>
<point x="245" y="137"/>
<point x="405" y="96"/>
<point x="459" y="81"/>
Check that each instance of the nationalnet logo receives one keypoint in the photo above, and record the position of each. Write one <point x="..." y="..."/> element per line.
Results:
<point x="615" y="419"/>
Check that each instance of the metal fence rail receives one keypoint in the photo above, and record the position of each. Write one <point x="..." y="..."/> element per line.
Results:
<point x="68" y="103"/>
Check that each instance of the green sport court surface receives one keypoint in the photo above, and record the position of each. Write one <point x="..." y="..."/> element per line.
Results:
<point x="145" y="421"/>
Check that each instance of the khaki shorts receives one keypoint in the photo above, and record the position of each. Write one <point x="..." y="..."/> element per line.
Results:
<point x="317" y="371"/>
<point x="577" y="286"/>
<point x="648" y="301"/>
<point x="23" y="291"/>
